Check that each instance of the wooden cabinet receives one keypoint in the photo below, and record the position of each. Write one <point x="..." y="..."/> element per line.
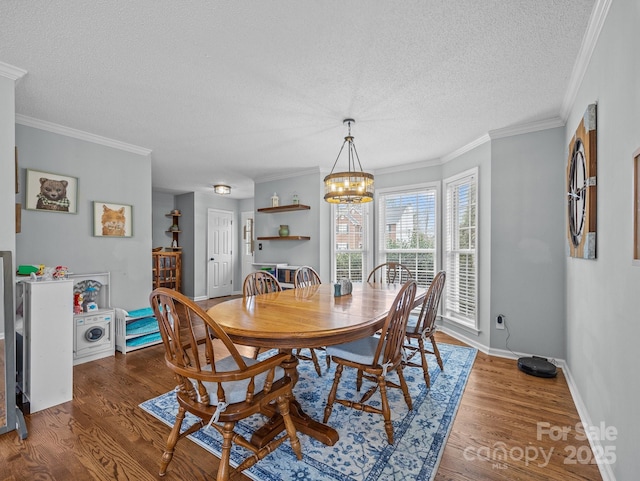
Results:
<point x="284" y="208"/>
<point x="167" y="270"/>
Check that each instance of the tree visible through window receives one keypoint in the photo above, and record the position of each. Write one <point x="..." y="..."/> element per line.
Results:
<point x="350" y="241"/>
<point x="408" y="231"/>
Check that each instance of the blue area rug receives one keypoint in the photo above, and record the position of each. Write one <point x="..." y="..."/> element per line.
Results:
<point x="362" y="452"/>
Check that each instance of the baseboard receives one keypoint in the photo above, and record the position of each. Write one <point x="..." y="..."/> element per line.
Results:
<point x="596" y="446"/>
<point x="462" y="338"/>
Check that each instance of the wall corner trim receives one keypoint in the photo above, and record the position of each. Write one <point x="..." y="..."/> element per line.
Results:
<point x="589" y="41"/>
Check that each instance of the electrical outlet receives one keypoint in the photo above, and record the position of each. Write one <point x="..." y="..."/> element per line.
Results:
<point x="260" y="246"/>
<point x="500" y="320"/>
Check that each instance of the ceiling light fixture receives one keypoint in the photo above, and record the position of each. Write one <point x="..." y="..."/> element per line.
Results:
<point x="222" y="189"/>
<point x="352" y="186"/>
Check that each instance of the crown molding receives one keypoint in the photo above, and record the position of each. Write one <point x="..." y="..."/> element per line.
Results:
<point x="526" y="128"/>
<point x="465" y="148"/>
<point x="411" y="166"/>
<point x="79" y="134"/>
<point x="11" y="72"/>
<point x="589" y="41"/>
<point x="286" y="175"/>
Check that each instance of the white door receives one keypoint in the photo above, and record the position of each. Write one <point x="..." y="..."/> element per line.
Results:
<point x="246" y="255"/>
<point x="219" y="253"/>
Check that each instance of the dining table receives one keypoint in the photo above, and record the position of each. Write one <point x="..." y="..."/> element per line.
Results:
<point x="310" y="317"/>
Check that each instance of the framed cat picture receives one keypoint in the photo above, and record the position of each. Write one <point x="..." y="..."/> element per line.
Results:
<point x="112" y="220"/>
<point x="50" y="192"/>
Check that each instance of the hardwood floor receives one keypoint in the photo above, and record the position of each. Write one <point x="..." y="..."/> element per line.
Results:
<point x="103" y="435"/>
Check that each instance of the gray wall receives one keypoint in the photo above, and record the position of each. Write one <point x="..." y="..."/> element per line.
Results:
<point x="7" y="178"/>
<point x="603" y="305"/>
<point x="104" y="174"/>
<point x="314" y="252"/>
<point x="527" y="242"/>
<point x="163" y="203"/>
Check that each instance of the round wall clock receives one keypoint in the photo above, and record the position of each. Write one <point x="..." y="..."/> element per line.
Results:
<point x="576" y="194"/>
<point x="581" y="188"/>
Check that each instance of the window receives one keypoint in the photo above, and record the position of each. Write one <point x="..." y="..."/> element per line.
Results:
<point x="350" y="241"/>
<point x="408" y="229"/>
<point x="460" y="256"/>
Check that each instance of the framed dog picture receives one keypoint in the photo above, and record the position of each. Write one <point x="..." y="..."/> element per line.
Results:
<point x="112" y="220"/>
<point x="50" y="192"/>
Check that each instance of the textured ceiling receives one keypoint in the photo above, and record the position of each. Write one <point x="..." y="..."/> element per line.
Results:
<point x="245" y="90"/>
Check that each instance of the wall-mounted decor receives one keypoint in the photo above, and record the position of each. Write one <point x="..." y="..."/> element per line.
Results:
<point x="636" y="208"/>
<point x="581" y="188"/>
<point x="18" y="218"/>
<point x="112" y="220"/>
<point x="51" y="192"/>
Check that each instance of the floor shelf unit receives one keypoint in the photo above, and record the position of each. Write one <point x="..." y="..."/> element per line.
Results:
<point x="136" y="329"/>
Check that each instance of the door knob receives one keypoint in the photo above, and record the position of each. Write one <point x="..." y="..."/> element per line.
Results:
<point x="212" y="259"/>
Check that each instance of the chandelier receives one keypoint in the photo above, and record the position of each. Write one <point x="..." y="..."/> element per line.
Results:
<point x="351" y="186"/>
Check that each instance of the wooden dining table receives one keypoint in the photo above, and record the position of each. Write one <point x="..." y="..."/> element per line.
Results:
<point x="305" y="317"/>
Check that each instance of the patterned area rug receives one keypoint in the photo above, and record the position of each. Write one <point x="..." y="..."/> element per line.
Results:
<point x="362" y="452"/>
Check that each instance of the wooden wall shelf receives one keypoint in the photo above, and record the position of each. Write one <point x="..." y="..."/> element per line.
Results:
<point x="284" y="208"/>
<point x="288" y="237"/>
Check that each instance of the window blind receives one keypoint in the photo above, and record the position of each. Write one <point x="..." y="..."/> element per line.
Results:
<point x="408" y="231"/>
<point x="461" y="248"/>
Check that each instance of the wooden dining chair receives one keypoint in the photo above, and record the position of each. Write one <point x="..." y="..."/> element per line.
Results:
<point x="220" y="392"/>
<point x="375" y="357"/>
<point x="390" y="273"/>
<point x="259" y="282"/>
<point x="306" y="276"/>
<point x="423" y="327"/>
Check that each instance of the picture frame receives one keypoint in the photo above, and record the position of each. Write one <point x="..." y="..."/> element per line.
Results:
<point x="49" y="192"/>
<point x="112" y="220"/>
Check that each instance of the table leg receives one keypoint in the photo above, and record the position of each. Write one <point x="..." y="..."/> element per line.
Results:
<point x="303" y="422"/>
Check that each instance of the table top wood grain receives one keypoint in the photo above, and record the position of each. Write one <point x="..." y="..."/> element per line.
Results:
<point x="307" y="317"/>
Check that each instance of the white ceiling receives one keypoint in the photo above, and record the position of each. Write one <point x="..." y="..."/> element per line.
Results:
<point x="238" y="91"/>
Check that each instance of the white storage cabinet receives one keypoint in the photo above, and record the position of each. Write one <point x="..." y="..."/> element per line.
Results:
<point x="44" y="343"/>
<point x="136" y="329"/>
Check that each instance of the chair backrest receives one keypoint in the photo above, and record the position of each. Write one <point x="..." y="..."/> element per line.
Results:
<point x="187" y="334"/>
<point x="428" y="313"/>
<point x="389" y="349"/>
<point x="306" y="276"/>
<point x="390" y="273"/>
<point x="260" y="282"/>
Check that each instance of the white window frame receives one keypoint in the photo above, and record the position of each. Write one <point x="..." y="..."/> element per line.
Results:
<point x="451" y="251"/>
<point x="367" y="236"/>
<point x="381" y="252"/>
